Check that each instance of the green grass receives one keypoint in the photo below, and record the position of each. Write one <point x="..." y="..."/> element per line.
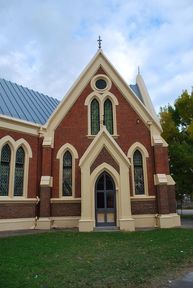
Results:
<point x="108" y="259"/>
<point x="187" y="217"/>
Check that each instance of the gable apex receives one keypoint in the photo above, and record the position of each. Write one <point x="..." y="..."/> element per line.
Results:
<point x="103" y="139"/>
<point x="99" y="60"/>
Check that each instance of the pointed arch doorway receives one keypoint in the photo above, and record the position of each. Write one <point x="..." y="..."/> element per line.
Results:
<point x="105" y="201"/>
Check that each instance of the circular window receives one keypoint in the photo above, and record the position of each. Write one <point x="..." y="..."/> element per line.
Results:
<point x="101" y="84"/>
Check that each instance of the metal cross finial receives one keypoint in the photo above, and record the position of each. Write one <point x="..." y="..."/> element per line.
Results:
<point x="99" y="40"/>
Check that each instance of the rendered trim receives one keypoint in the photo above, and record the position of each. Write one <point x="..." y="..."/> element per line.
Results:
<point x="65" y="200"/>
<point x="145" y="155"/>
<point x="14" y="145"/>
<point x="17" y="125"/>
<point x="18" y="200"/>
<point x="59" y="156"/>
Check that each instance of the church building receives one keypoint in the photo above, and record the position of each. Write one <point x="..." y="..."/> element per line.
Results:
<point x="95" y="159"/>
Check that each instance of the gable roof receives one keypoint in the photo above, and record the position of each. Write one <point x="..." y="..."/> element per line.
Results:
<point x="134" y="98"/>
<point x="137" y="92"/>
<point x="103" y="139"/>
<point x="26" y="104"/>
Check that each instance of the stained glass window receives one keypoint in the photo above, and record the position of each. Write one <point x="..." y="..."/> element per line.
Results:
<point x="138" y="173"/>
<point x="95" y="117"/>
<point x="19" y="172"/>
<point x="108" y="116"/>
<point x="67" y="174"/>
<point x="5" y="170"/>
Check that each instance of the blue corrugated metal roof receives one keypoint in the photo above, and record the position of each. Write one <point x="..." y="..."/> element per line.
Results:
<point x="25" y="104"/>
<point x="135" y="89"/>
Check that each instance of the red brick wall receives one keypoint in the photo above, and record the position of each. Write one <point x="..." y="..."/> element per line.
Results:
<point x="44" y="205"/>
<point x="162" y="199"/>
<point x="65" y="209"/>
<point x="161" y="160"/>
<point x="19" y="210"/>
<point x="143" y="207"/>
<point x="166" y="199"/>
<point x="104" y="156"/>
<point x="74" y="128"/>
<point x="172" y="198"/>
<point x="46" y="161"/>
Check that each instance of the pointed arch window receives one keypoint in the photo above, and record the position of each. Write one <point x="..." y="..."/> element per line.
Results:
<point x="95" y="117"/>
<point x="138" y="173"/>
<point x="67" y="174"/>
<point x="108" y="115"/>
<point x="19" y="172"/>
<point x="5" y="170"/>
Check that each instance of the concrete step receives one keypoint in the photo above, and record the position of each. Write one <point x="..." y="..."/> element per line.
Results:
<point x="107" y="229"/>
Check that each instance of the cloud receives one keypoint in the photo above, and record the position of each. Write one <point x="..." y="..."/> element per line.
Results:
<point x="44" y="45"/>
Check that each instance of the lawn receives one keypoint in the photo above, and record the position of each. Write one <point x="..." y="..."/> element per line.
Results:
<point x="104" y="259"/>
<point x="190" y="217"/>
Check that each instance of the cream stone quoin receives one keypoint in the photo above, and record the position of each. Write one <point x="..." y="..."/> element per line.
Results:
<point x="98" y="159"/>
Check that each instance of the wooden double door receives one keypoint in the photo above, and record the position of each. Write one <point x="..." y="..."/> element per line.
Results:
<point x="105" y="201"/>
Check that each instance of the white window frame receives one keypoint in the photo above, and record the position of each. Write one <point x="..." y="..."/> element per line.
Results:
<point x="14" y="146"/>
<point x="66" y="147"/>
<point x="145" y="155"/>
<point x="101" y="98"/>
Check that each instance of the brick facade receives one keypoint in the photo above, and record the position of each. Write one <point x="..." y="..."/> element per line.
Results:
<point x="143" y="207"/>
<point x="73" y="129"/>
<point x="161" y="160"/>
<point x="17" y="210"/>
<point x="65" y="209"/>
<point x="129" y="129"/>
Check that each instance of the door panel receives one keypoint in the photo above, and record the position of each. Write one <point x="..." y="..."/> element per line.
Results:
<point x="105" y="201"/>
<point x="110" y="217"/>
<point x="100" y="200"/>
<point x="110" y="199"/>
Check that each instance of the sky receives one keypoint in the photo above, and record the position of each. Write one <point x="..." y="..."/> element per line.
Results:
<point x="45" y="44"/>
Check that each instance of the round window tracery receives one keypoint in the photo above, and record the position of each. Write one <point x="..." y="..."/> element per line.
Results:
<point x="101" y="84"/>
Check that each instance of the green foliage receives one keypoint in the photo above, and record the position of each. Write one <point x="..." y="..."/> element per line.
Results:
<point x="177" y="124"/>
<point x="170" y="131"/>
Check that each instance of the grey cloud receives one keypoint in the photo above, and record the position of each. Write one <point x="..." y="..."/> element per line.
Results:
<point x="45" y="44"/>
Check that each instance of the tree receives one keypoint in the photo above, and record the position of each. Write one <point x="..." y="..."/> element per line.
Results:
<point x="177" y="124"/>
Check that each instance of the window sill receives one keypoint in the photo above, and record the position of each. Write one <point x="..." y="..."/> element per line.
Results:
<point x="16" y="200"/>
<point x="142" y="198"/>
<point x="65" y="200"/>
<point x="93" y="136"/>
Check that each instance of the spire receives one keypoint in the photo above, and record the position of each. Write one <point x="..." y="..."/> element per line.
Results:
<point x="145" y="96"/>
<point x="138" y="70"/>
<point x="99" y="42"/>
